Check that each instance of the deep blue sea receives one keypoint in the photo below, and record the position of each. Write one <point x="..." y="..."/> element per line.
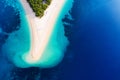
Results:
<point x="93" y="30"/>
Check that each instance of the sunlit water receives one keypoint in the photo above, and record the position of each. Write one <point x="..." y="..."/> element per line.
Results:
<point x="93" y="30"/>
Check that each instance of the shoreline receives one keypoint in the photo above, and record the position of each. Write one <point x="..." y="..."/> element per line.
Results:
<point x="41" y="28"/>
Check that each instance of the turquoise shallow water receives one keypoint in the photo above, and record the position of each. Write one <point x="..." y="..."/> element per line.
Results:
<point x="18" y="42"/>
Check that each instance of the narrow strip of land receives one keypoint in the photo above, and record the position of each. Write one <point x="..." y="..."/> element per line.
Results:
<point x="41" y="28"/>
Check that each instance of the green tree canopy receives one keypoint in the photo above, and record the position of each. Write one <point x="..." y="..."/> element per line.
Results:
<point x="39" y="6"/>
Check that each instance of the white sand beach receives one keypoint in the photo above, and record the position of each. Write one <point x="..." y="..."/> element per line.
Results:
<point x="41" y="28"/>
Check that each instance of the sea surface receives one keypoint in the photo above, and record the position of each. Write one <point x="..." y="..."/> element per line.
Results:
<point x="93" y="30"/>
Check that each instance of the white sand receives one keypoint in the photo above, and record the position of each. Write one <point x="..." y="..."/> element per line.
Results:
<point x="41" y="28"/>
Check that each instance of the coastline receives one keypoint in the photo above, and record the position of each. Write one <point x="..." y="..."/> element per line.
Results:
<point x="41" y="28"/>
